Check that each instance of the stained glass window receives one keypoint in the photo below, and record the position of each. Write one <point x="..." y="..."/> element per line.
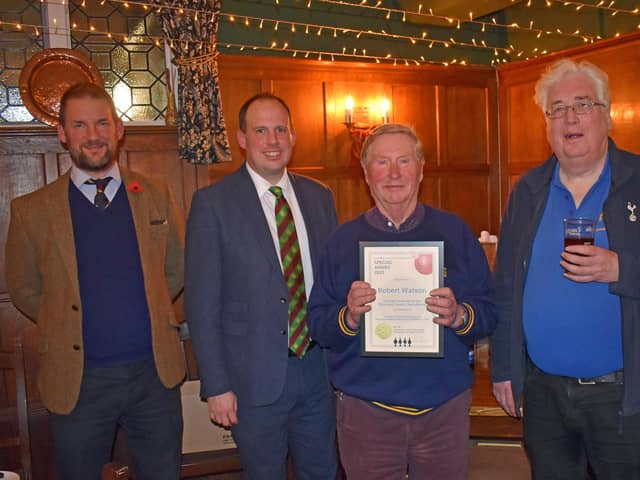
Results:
<point x="131" y="63"/>
<point x="16" y="48"/>
<point x="131" y="60"/>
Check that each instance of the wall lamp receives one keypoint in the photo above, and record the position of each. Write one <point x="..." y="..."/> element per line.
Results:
<point x="357" y="118"/>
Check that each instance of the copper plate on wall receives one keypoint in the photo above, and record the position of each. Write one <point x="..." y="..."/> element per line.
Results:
<point x="50" y="73"/>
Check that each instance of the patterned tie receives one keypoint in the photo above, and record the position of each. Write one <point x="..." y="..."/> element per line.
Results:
<point x="292" y="267"/>
<point x="100" y="200"/>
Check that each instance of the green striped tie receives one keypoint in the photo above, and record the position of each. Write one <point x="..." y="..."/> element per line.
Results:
<point x="293" y="275"/>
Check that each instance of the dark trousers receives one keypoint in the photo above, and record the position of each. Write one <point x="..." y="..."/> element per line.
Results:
<point x="376" y="444"/>
<point x="130" y="396"/>
<point x="301" y="421"/>
<point x="572" y="429"/>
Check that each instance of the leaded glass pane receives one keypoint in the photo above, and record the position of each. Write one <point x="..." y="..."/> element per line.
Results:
<point x="16" y="48"/>
<point x="131" y="64"/>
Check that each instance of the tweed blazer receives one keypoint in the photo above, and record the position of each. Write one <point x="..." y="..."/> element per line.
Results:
<point x="42" y="279"/>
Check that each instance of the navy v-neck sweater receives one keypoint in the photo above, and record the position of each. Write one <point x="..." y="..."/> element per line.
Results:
<point x="116" y="327"/>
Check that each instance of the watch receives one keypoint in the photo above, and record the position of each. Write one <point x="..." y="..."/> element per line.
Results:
<point x="465" y="316"/>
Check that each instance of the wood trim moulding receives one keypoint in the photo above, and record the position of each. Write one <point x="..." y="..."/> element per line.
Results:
<point x="26" y="130"/>
<point x="279" y="68"/>
<point x="609" y="43"/>
<point x="23" y="139"/>
<point x="41" y="130"/>
<point x="355" y="170"/>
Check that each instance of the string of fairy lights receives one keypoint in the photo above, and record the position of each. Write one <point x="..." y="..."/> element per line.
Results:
<point x="456" y="22"/>
<point x="601" y="5"/>
<point x="470" y="25"/>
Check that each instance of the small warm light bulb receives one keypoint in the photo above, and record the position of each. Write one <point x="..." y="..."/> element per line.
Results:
<point x="348" y="110"/>
<point x="386" y="105"/>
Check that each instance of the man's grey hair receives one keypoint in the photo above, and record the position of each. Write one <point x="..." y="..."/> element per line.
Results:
<point x="388" y="129"/>
<point x="561" y="69"/>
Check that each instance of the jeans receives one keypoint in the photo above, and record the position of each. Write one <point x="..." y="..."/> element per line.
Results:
<point x="576" y="432"/>
<point x="129" y="396"/>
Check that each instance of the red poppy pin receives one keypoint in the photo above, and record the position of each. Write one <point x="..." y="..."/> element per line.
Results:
<point x="134" y="187"/>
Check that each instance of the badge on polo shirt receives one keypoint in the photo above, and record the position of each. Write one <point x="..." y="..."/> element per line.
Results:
<point x="632" y="208"/>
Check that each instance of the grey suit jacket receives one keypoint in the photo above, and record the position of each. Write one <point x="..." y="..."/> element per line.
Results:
<point x="235" y="293"/>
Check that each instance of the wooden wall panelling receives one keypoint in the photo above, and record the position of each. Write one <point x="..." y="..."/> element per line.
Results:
<point x="337" y="135"/>
<point x="620" y="63"/>
<point x="523" y="130"/>
<point x="351" y="193"/>
<point x="417" y="106"/>
<point x="470" y="201"/>
<point x="156" y="156"/>
<point x="493" y="155"/>
<point x="322" y="87"/>
<point x="468" y="154"/>
<point x="430" y="192"/>
<point x="464" y="126"/>
<point x="234" y="90"/>
<point x="306" y="102"/>
<point x="526" y="124"/>
<point x="21" y="173"/>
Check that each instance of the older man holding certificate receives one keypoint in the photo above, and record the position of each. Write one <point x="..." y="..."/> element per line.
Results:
<point x="400" y="368"/>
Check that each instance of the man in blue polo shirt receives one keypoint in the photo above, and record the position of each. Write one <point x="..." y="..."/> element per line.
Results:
<point x="567" y="336"/>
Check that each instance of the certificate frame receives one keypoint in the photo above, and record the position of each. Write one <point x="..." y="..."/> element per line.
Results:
<point x="403" y="274"/>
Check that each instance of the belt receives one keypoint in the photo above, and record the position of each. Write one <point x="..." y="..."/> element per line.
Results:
<point x="312" y="344"/>
<point x="613" y="377"/>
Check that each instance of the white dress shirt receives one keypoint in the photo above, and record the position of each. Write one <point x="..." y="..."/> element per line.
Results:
<point x="78" y="177"/>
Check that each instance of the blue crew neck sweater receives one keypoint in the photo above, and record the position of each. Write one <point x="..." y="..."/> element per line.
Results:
<point x="410" y="382"/>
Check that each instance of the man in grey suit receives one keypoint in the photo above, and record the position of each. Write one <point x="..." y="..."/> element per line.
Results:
<point x="253" y="240"/>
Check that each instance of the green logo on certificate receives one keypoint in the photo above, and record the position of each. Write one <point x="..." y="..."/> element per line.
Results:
<point x="383" y="330"/>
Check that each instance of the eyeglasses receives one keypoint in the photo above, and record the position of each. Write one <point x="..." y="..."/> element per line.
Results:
<point x="581" y="107"/>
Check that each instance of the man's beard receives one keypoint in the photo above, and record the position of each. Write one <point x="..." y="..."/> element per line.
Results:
<point x="84" y="163"/>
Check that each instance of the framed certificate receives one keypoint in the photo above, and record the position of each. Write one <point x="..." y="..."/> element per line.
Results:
<point x="403" y="274"/>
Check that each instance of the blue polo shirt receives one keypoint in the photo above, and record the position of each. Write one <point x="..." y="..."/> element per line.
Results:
<point x="571" y="328"/>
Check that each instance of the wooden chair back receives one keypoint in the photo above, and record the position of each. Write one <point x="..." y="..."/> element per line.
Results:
<point x="13" y="373"/>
